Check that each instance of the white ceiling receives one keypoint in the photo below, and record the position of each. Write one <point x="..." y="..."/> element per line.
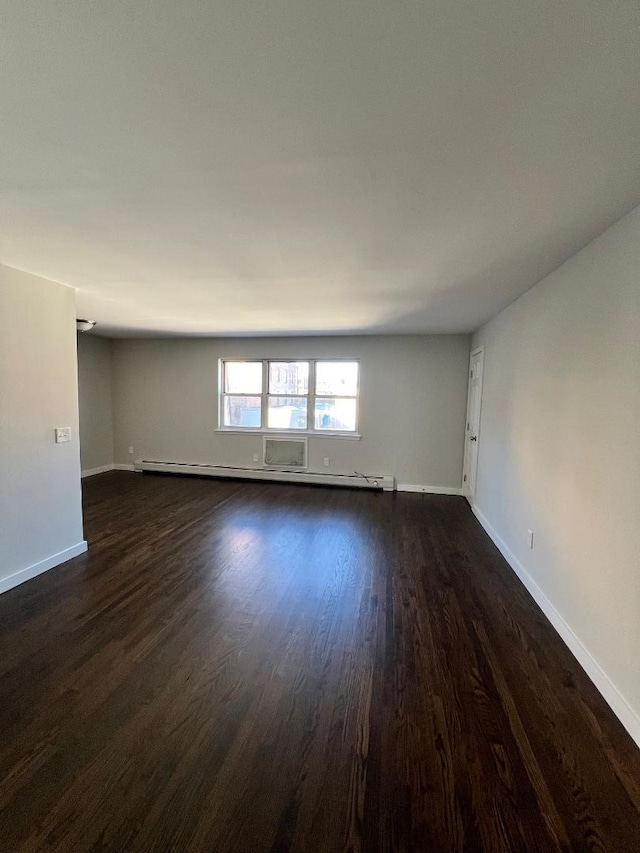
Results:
<point x="311" y="166"/>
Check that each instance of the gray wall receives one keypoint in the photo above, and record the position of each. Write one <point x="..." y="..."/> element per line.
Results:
<point x="95" y="402"/>
<point x="412" y="403"/>
<point x="560" y="450"/>
<point x="40" y="503"/>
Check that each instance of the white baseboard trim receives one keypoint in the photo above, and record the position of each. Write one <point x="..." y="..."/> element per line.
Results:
<point x="428" y="490"/>
<point x="43" y="566"/>
<point x="89" y="472"/>
<point x="612" y="696"/>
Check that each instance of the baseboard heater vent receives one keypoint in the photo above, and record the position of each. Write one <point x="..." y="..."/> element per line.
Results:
<point x="364" y="481"/>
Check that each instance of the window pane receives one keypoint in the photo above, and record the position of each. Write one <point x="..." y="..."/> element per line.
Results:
<point x="243" y="377"/>
<point x="287" y="413"/>
<point x="288" y="377"/>
<point x="337" y="378"/>
<point x="336" y="414"/>
<point x="242" y="411"/>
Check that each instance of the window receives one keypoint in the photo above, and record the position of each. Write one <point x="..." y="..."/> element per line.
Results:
<point x="311" y="396"/>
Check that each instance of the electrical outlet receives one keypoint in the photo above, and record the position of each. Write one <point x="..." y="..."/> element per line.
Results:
<point x="63" y="434"/>
<point x="255" y="457"/>
<point x="325" y="461"/>
<point x="530" y="538"/>
<point x="131" y="450"/>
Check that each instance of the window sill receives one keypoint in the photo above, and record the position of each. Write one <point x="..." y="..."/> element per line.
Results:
<point x="306" y="433"/>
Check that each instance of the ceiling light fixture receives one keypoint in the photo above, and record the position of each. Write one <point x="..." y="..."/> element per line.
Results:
<point x="85" y="325"/>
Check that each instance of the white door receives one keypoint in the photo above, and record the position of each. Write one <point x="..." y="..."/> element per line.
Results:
<point x="472" y="426"/>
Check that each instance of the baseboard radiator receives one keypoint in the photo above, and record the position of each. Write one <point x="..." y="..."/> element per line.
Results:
<point x="386" y="482"/>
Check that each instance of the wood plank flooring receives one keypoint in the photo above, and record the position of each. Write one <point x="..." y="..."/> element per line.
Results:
<point x="259" y="667"/>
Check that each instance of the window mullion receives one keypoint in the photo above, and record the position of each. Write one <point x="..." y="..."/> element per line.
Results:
<point x="265" y="394"/>
<point x="311" y="399"/>
<point x="222" y="379"/>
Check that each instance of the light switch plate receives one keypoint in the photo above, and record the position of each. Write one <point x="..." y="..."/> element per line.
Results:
<point x="63" y="434"/>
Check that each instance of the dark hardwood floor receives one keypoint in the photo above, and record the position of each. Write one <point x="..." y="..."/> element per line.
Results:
<point x="257" y="667"/>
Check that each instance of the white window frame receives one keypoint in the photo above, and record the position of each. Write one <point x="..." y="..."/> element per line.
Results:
<point x="311" y="397"/>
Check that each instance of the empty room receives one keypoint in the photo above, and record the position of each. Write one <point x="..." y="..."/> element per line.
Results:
<point x="319" y="426"/>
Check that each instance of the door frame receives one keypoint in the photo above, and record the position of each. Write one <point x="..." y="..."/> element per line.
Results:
<point x="466" y="459"/>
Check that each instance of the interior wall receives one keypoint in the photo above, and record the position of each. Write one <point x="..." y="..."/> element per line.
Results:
<point x="95" y="402"/>
<point x="412" y="403"/>
<point x="560" y="453"/>
<point x="40" y="499"/>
